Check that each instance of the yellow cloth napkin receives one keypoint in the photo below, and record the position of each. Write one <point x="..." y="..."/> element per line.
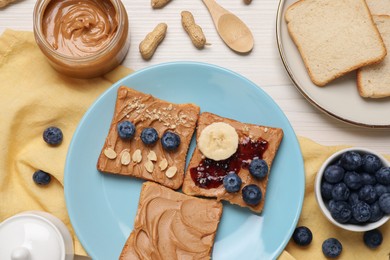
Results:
<point x="34" y="96"/>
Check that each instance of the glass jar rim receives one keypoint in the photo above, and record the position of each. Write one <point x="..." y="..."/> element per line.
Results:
<point x="39" y="10"/>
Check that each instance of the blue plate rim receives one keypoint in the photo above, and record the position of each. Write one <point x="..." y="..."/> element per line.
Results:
<point x="168" y="64"/>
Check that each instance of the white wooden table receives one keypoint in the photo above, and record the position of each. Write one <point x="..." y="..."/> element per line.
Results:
<point x="262" y="66"/>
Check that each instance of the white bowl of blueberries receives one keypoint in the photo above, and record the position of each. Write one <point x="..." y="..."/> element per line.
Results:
<point x="353" y="189"/>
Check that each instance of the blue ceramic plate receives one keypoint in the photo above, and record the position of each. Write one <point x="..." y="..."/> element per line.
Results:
<point x="102" y="208"/>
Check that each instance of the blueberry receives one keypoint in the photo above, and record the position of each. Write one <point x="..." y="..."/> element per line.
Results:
<point x="368" y="178"/>
<point x="302" y="236"/>
<point x="373" y="238"/>
<point x="126" y="129"/>
<point x="361" y="212"/>
<point x="371" y="163"/>
<point x="354" y="221"/>
<point x="170" y="141"/>
<point x="42" y="178"/>
<point x="232" y="182"/>
<point x="368" y="194"/>
<point x="331" y="205"/>
<point x="353" y="198"/>
<point x="251" y="194"/>
<point x="376" y="212"/>
<point x="332" y="248"/>
<point x="326" y="190"/>
<point x="340" y="191"/>
<point x="384" y="202"/>
<point x="333" y="174"/>
<point x="52" y="135"/>
<point x="353" y="180"/>
<point x="258" y="168"/>
<point x="341" y="212"/>
<point x="383" y="175"/>
<point x="351" y="160"/>
<point x="149" y="136"/>
<point x="380" y="189"/>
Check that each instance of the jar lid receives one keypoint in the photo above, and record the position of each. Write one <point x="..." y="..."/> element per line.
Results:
<point x="30" y="236"/>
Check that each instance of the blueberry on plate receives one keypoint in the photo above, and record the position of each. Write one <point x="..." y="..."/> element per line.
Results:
<point x="331" y="247"/>
<point x="353" y="180"/>
<point x="380" y="189"/>
<point x="149" y="136"/>
<point x="126" y="129"/>
<point x="376" y="212"/>
<point x="383" y="175"/>
<point x="368" y="194"/>
<point x="52" y="135"/>
<point x="333" y="174"/>
<point x="302" y="236"/>
<point x="353" y="198"/>
<point x="384" y="202"/>
<point x="42" y="178"/>
<point x="373" y="238"/>
<point x="340" y="191"/>
<point x="341" y="212"/>
<point x="258" y="168"/>
<point x="326" y="190"/>
<point x="371" y="163"/>
<point x="251" y="194"/>
<point x="351" y="160"/>
<point x="232" y="182"/>
<point x="361" y="211"/>
<point x="331" y="204"/>
<point x="170" y="141"/>
<point x="368" y="178"/>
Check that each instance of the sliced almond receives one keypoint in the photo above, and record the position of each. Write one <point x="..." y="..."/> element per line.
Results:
<point x="152" y="156"/>
<point x="149" y="166"/>
<point x="125" y="158"/>
<point x="110" y="153"/>
<point x="171" y="171"/>
<point x="163" y="164"/>
<point x="137" y="156"/>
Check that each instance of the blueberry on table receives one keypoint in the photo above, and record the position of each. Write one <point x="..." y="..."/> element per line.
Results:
<point x="42" y="178"/>
<point x="232" y="182"/>
<point x="340" y="191"/>
<point x="331" y="248"/>
<point x="326" y="190"/>
<point x="351" y="160"/>
<point x="333" y="174"/>
<point x="361" y="211"/>
<point x="373" y="238"/>
<point x="170" y="141"/>
<point x="368" y="194"/>
<point x="126" y="129"/>
<point x="383" y="175"/>
<point x="302" y="236"/>
<point x="149" y="136"/>
<point x="376" y="212"/>
<point x="52" y="135"/>
<point x="371" y="163"/>
<point x="384" y="202"/>
<point x="341" y="212"/>
<point x="353" y="180"/>
<point x="258" y="168"/>
<point x="368" y="178"/>
<point x="251" y="194"/>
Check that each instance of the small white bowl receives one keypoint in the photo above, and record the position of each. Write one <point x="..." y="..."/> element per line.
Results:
<point x="317" y="188"/>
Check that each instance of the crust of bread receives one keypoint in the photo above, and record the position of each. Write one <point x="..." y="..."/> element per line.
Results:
<point x="340" y="72"/>
<point x="144" y="110"/>
<point x="271" y="134"/>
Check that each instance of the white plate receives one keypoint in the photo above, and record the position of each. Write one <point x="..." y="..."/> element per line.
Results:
<point x="340" y="98"/>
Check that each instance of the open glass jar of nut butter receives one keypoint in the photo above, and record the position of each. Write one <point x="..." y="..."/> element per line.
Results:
<point x="82" y="38"/>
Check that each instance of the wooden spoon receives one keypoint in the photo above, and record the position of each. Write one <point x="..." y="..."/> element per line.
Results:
<point x="232" y="30"/>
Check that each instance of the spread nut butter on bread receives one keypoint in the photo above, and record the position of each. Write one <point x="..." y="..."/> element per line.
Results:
<point x="226" y="155"/>
<point x="374" y="81"/>
<point x="171" y="225"/>
<point x="334" y="37"/>
<point x="379" y="7"/>
<point x="148" y="138"/>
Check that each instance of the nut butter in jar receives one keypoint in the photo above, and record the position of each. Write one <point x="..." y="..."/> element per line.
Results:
<point x="82" y="38"/>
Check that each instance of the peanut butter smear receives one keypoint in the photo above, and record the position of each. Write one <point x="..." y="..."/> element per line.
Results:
<point x="79" y="28"/>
